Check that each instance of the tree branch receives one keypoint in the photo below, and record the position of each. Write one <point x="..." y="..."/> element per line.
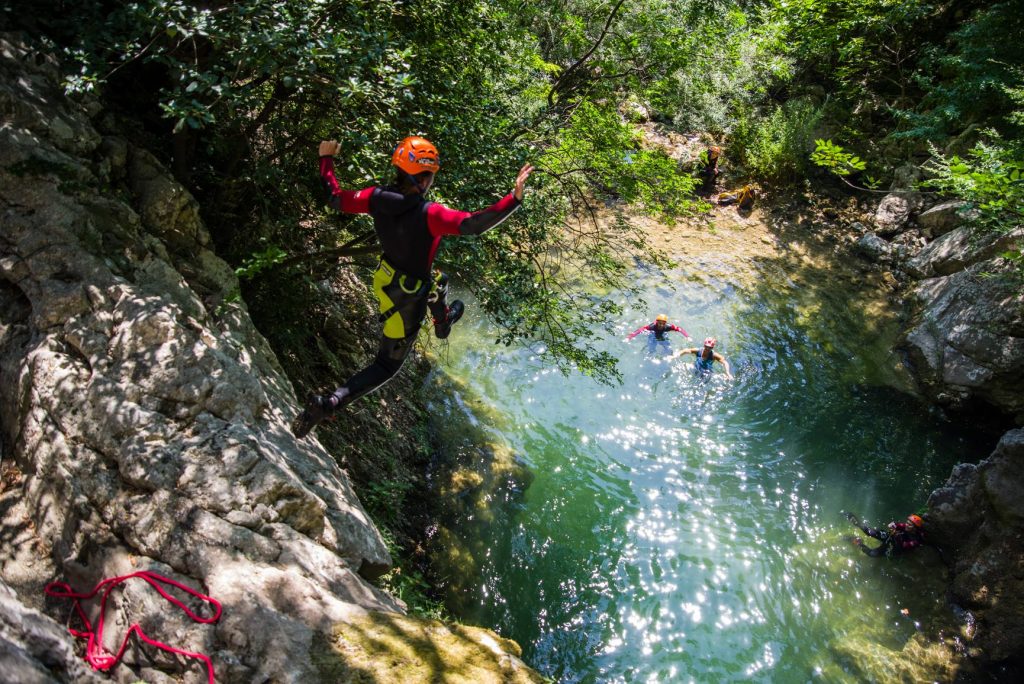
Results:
<point x="579" y="63"/>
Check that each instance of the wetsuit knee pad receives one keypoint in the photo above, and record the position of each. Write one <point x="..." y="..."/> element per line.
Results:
<point x="393" y="352"/>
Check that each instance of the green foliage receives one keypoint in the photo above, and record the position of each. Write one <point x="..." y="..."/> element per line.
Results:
<point x="410" y="585"/>
<point x="775" y="147"/>
<point x="861" y="50"/>
<point x="260" y="261"/>
<point x="973" y="77"/>
<point x="842" y="163"/>
<point x="835" y="158"/>
<point x="991" y="178"/>
<point x="723" y="67"/>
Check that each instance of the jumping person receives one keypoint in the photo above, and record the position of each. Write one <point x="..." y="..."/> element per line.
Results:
<point x="410" y="229"/>
<point x="658" y="328"/>
<point x="897" y="538"/>
<point x="706" y="357"/>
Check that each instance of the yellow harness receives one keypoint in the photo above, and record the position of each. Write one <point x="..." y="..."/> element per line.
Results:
<point x="399" y="293"/>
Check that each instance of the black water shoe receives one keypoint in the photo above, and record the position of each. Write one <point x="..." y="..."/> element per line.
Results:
<point x="318" y="408"/>
<point x="444" y="328"/>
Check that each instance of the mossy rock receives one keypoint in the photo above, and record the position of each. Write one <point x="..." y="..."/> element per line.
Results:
<point x="389" y="647"/>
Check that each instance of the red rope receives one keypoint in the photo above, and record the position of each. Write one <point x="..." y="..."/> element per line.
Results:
<point x="94" y="653"/>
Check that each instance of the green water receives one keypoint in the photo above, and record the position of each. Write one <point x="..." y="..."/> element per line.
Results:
<point x="679" y="530"/>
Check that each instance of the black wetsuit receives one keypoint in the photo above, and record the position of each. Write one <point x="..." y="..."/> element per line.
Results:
<point x="897" y="538"/>
<point x="410" y="229"/>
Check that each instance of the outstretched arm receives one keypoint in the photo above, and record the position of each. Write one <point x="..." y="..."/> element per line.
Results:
<point x="348" y="201"/>
<point x="677" y="329"/>
<point x="681" y="352"/>
<point x="725" y="364"/>
<point x="637" y="331"/>
<point x="444" y="221"/>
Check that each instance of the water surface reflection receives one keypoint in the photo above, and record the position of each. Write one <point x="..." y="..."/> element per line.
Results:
<point x="681" y="530"/>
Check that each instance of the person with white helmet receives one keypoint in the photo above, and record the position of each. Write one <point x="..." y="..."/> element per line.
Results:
<point x="658" y="328"/>
<point x="410" y="229"/>
<point x="706" y="357"/>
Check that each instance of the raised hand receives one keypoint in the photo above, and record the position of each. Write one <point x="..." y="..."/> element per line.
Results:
<point x="524" y="173"/>
<point x="329" y="148"/>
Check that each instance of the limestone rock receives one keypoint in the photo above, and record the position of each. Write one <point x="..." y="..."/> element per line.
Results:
<point x="938" y="220"/>
<point x="958" y="250"/>
<point x="905" y="177"/>
<point x="152" y="426"/>
<point x="874" y="248"/>
<point x="34" y="649"/>
<point x="966" y="340"/>
<point x="893" y="214"/>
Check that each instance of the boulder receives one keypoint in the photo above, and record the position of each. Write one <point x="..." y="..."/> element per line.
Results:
<point x="874" y="248"/>
<point x="966" y="344"/>
<point x="893" y="214"/>
<point x="906" y="177"/>
<point x="960" y="249"/>
<point x="938" y="220"/>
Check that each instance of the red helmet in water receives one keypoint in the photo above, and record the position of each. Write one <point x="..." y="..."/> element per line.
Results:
<point x="415" y="155"/>
<point x="710" y="342"/>
<point x="916" y="519"/>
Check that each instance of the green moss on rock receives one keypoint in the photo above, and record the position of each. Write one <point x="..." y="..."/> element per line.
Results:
<point x="387" y="647"/>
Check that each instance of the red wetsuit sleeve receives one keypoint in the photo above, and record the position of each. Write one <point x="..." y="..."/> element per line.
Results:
<point x="679" y="330"/>
<point x="639" y="330"/>
<point x="444" y="221"/>
<point x="347" y="201"/>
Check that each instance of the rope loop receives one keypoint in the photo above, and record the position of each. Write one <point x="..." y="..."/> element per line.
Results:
<point x="94" y="653"/>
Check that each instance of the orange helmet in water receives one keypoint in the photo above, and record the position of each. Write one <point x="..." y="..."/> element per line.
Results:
<point x="662" y="317"/>
<point x="415" y="155"/>
<point x="916" y="519"/>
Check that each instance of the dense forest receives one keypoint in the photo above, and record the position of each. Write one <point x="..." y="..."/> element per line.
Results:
<point x="235" y="96"/>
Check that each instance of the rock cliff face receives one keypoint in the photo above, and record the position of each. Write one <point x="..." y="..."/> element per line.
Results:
<point x="980" y="514"/>
<point x="965" y="342"/>
<point x="144" y="419"/>
<point x="965" y="346"/>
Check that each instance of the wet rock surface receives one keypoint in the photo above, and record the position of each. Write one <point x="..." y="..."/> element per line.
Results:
<point x="979" y="515"/>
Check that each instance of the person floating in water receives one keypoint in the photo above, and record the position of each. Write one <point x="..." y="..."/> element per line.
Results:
<point x="410" y="229"/>
<point x="706" y="357"/>
<point x="658" y="328"/>
<point x="897" y="538"/>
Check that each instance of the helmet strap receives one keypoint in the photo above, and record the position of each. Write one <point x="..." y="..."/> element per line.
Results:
<point x="409" y="179"/>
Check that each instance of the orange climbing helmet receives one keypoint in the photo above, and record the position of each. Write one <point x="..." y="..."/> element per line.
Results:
<point x="415" y="155"/>
<point x="916" y="519"/>
<point x="662" y="317"/>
